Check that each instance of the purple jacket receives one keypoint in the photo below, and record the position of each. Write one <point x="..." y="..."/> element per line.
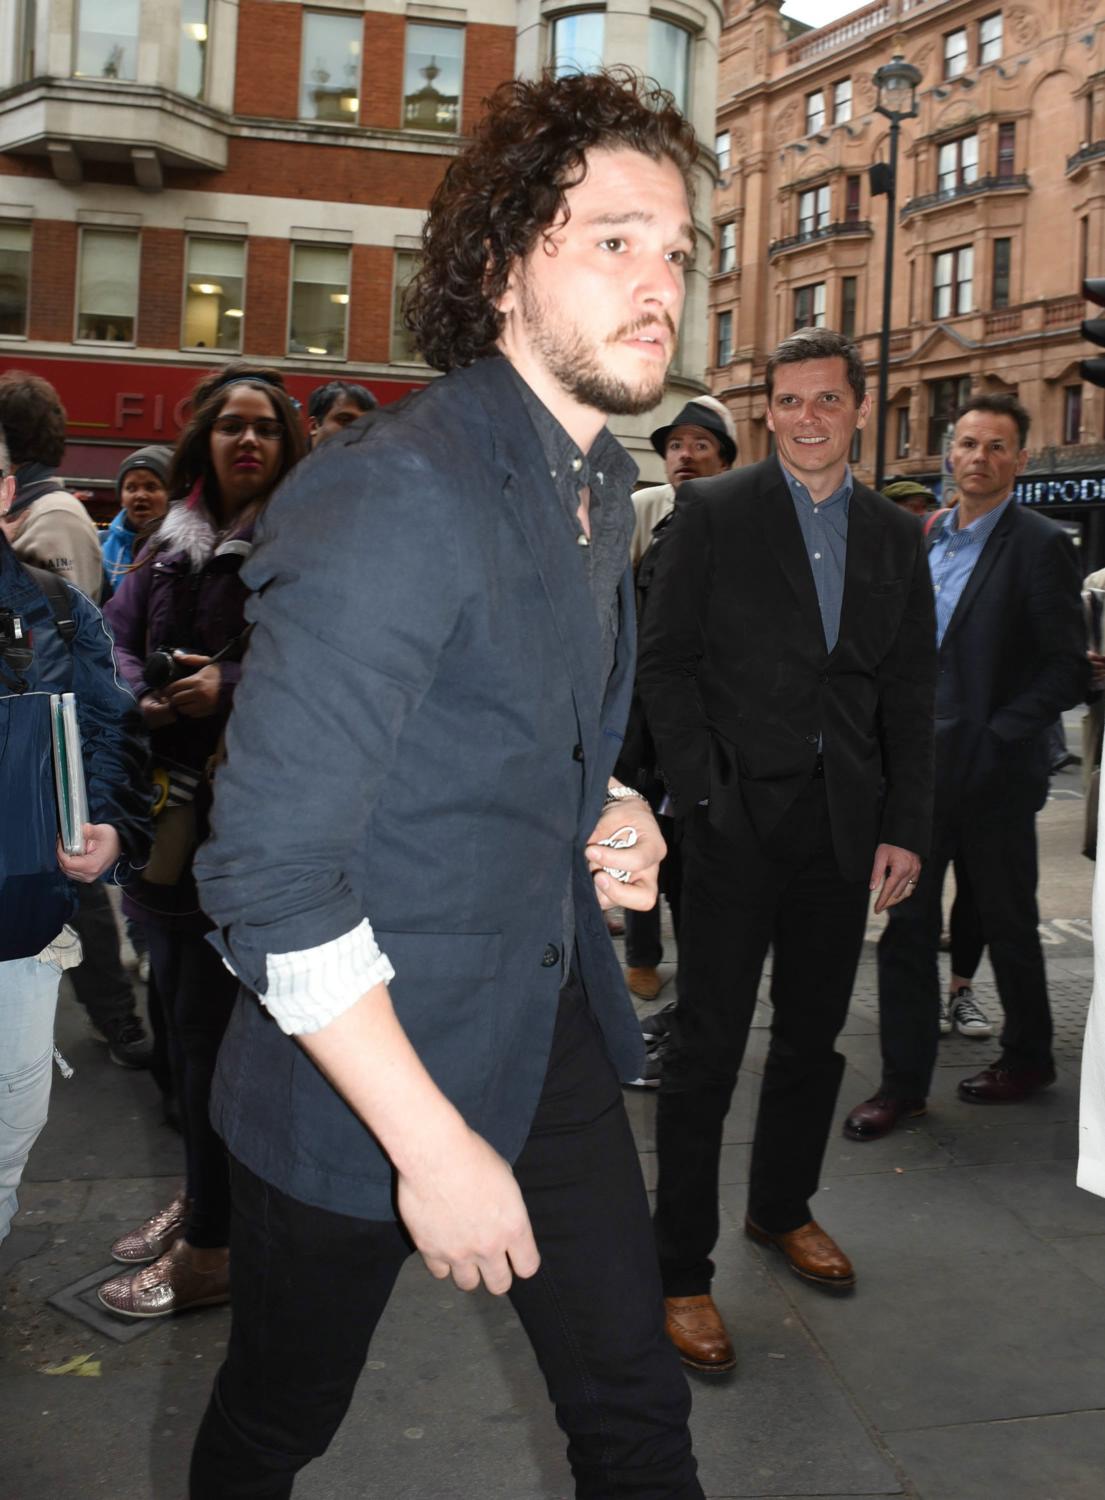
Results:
<point x="188" y="597"/>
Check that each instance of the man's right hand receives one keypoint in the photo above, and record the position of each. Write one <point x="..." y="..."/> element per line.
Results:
<point x="156" y="710"/>
<point x="467" y="1219"/>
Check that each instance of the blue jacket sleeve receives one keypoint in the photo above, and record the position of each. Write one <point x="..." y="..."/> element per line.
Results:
<point x="356" y="597"/>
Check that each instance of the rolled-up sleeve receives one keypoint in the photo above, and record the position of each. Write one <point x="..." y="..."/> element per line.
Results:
<point x="356" y="596"/>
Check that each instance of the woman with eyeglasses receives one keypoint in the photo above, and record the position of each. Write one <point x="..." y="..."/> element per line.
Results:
<point x="179" y="623"/>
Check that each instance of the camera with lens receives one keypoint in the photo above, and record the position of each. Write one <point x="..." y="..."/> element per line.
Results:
<point x="15" y="643"/>
<point x="163" y="667"/>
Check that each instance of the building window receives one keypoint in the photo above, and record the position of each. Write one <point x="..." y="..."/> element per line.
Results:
<point x="577" y="42"/>
<point x="989" y="39"/>
<point x="107" y="291"/>
<point x="1007" y="150"/>
<point x="809" y="306"/>
<point x="1072" y="414"/>
<point x="107" y="39"/>
<point x="851" y="200"/>
<point x="192" y="59"/>
<point x="813" y="210"/>
<point x="15" y="278"/>
<point x="432" y="78"/>
<point x="320" y="300"/>
<point x="945" y="399"/>
<point x="403" y="348"/>
<point x="815" y="110"/>
<point x="842" y="101"/>
<point x="848" y="289"/>
<point x="724" y="338"/>
<point x="901" y="441"/>
<point x="1003" y="256"/>
<point x="214" y="305"/>
<point x="727" y="247"/>
<point x="27" y="23"/>
<point x="953" y="281"/>
<point x="669" y="55"/>
<point x="723" y="150"/>
<point x="957" y="164"/>
<point x="955" y="53"/>
<point x="330" y="78"/>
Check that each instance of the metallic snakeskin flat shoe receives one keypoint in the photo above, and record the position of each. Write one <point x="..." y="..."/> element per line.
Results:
<point x="151" y="1239"/>
<point x="170" y="1285"/>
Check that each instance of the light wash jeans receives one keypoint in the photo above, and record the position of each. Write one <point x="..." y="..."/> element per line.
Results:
<point x="28" y="1000"/>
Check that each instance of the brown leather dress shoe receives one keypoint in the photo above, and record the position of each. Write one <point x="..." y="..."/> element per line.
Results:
<point x="695" y="1328"/>
<point x="999" y="1085"/>
<point x="878" y="1115"/>
<point x="645" y="983"/>
<point x="810" y="1253"/>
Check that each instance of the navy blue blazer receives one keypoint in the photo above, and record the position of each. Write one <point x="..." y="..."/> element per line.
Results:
<point x="421" y="736"/>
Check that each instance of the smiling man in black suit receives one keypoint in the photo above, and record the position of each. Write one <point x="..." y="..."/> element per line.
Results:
<point x="787" y="670"/>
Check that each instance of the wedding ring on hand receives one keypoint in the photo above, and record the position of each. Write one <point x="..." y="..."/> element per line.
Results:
<point x="621" y="838"/>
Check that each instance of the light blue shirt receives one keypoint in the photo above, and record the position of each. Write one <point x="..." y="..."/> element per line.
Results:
<point x="825" y="532"/>
<point x="952" y="557"/>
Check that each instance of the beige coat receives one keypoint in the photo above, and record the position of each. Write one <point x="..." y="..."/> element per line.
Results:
<point x="56" y="532"/>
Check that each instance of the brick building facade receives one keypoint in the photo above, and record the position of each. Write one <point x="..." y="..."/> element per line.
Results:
<point x="187" y="180"/>
<point x="1001" y="212"/>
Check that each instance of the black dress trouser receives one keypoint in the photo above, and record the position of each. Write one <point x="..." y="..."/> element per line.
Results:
<point x="995" y="845"/>
<point x="789" y="895"/>
<point x="308" y="1288"/>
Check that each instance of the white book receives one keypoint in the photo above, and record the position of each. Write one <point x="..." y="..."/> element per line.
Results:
<point x="68" y="772"/>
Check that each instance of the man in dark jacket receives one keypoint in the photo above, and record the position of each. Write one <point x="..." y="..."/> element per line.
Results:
<point x="787" y="672"/>
<point x="41" y="654"/>
<point x="416" y="824"/>
<point x="1012" y="656"/>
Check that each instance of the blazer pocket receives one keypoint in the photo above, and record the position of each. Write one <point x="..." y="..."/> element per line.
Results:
<point x="442" y="955"/>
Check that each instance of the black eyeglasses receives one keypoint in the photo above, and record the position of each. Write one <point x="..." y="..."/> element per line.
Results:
<point x="267" y="430"/>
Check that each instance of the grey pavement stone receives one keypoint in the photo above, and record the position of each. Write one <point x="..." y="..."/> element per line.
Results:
<point x="1038" y="1458"/>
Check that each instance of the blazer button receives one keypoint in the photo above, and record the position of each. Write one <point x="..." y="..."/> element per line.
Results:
<point x="577" y="752"/>
<point x="811" y="739"/>
<point x="550" y="957"/>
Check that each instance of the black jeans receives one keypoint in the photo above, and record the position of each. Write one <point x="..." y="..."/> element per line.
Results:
<point x="197" y="994"/>
<point x="996" y="847"/>
<point x="791" y="895"/>
<point x="99" y="981"/>
<point x="643" y="947"/>
<point x="308" y="1288"/>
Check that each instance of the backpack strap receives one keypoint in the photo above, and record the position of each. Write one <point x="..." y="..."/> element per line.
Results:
<point x="937" y="515"/>
<point x="58" y="597"/>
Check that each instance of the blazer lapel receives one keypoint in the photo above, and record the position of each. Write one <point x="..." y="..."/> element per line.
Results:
<point x="860" y="560"/>
<point x="979" y="573"/>
<point x="784" y="536"/>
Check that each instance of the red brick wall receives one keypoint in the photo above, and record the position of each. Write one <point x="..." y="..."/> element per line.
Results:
<point x="336" y="174"/>
<point x="370" y="303"/>
<point x="160" y="288"/>
<point x="53" y="280"/>
<point x="267" y="74"/>
<point x="488" y="61"/>
<point x="382" y="74"/>
<point x="266" y="321"/>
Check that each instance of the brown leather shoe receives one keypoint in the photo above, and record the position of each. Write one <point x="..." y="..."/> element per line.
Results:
<point x="878" y="1115"/>
<point x="645" y="983"/>
<point x="695" y="1328"/>
<point x="1000" y="1085"/>
<point x="810" y="1253"/>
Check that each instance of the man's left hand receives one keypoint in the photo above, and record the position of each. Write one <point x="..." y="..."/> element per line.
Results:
<point x="642" y="859"/>
<point x="101" y="850"/>
<point x="896" y="870"/>
<point x="196" y="696"/>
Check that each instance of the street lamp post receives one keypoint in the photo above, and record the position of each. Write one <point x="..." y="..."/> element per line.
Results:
<point x="897" y="83"/>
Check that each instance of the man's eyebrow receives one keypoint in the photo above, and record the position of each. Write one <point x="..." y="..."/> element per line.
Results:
<point x="611" y="219"/>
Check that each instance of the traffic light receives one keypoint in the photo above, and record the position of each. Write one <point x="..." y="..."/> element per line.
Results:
<point x="1093" y="370"/>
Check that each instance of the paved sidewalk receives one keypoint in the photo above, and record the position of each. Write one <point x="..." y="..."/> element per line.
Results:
<point x="969" y="1364"/>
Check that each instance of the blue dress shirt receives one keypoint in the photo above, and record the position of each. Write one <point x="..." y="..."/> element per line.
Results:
<point x="825" y="533"/>
<point x="953" y="553"/>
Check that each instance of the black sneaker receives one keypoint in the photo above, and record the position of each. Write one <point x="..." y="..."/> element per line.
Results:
<point x="127" y="1042"/>
<point x="655" y="1028"/>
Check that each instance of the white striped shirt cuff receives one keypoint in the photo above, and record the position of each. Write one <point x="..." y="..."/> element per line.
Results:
<point x="309" y="989"/>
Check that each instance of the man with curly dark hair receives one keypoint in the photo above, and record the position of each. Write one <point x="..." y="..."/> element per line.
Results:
<point x="426" y="1050"/>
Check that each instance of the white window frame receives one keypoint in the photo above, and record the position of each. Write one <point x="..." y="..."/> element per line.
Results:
<point x="329" y="15"/>
<point x="293" y="246"/>
<point x="842" y="102"/>
<point x="957" y="160"/>
<point x="136" y="235"/>
<point x="723" y="150"/>
<point x="956" y="57"/>
<point x="439" y="26"/>
<point x="990" y="45"/>
<point x="727" y="247"/>
<point x="818" y="304"/>
<point x="815" y="112"/>
<point x="231" y="239"/>
<point x="724" y="320"/>
<point x="28" y="225"/>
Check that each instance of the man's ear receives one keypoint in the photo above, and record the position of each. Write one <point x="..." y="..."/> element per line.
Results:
<point x="7" y="493"/>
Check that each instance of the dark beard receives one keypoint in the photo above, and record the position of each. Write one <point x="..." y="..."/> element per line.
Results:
<point x="575" y="366"/>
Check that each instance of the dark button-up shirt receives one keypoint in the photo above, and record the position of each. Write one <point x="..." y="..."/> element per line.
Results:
<point x="825" y="533"/>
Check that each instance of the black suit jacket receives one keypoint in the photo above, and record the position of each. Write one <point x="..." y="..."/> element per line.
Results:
<point x="738" y="684"/>
<point x="1012" y="658"/>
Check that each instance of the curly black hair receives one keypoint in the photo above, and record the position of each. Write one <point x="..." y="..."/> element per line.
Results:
<point x="507" y="187"/>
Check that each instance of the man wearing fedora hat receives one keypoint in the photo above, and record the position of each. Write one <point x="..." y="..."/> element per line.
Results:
<point x="699" y="441"/>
